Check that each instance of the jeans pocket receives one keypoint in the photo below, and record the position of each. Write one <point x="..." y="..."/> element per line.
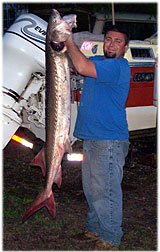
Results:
<point x="120" y="153"/>
<point x="121" y="149"/>
<point x="102" y="151"/>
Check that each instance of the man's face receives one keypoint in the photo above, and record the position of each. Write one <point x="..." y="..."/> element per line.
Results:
<point x="114" y="45"/>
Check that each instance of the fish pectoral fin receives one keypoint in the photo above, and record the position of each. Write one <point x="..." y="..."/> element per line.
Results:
<point x="58" y="177"/>
<point x="68" y="146"/>
<point x="39" y="160"/>
<point x="40" y="202"/>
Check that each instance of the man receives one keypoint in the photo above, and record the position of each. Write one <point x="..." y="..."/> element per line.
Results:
<point x="101" y="123"/>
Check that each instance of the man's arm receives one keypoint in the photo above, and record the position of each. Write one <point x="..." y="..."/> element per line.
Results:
<point x="80" y="62"/>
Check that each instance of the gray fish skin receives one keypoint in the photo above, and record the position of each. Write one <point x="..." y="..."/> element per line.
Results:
<point x="57" y="109"/>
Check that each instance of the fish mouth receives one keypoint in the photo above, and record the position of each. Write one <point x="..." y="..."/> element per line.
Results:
<point x="57" y="46"/>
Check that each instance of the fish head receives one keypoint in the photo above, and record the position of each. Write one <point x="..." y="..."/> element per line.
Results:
<point x="59" y="29"/>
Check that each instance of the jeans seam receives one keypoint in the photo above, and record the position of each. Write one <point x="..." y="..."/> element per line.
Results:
<point x="110" y="186"/>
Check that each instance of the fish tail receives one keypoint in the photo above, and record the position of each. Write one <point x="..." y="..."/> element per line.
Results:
<point x="39" y="160"/>
<point x="42" y="201"/>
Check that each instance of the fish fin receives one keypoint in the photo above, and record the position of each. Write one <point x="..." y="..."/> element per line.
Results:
<point x="42" y="201"/>
<point x="58" y="177"/>
<point x="39" y="160"/>
<point x="68" y="146"/>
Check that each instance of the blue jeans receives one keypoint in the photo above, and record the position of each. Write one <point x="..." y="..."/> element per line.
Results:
<point x="102" y="173"/>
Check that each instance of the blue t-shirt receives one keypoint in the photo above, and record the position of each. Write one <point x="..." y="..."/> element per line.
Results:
<point x="101" y="114"/>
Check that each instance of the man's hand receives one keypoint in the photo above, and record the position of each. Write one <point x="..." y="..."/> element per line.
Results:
<point x="69" y="40"/>
<point x="80" y="62"/>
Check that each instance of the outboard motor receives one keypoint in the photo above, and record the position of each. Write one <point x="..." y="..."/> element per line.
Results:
<point x="23" y="55"/>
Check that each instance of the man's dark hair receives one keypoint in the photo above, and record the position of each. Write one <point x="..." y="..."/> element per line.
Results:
<point x="117" y="29"/>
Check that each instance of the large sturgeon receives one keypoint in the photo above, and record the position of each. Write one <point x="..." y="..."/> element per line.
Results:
<point x="57" y="108"/>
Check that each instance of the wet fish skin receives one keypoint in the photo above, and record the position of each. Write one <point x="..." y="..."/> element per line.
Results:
<point x="57" y="110"/>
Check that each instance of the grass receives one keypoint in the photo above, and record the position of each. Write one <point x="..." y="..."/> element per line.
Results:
<point x="41" y="232"/>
